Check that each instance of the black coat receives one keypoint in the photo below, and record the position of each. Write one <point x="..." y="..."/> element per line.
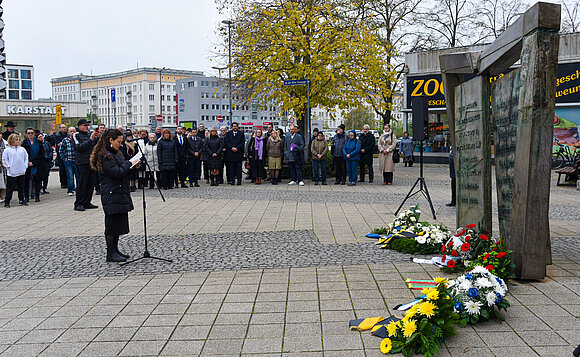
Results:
<point x="39" y="160"/>
<point x="238" y="141"/>
<point x="213" y="145"/>
<point x="83" y="147"/>
<point x="181" y="149"/>
<point x="167" y="154"/>
<point x="194" y="146"/>
<point x="115" y="189"/>
<point x="368" y="143"/>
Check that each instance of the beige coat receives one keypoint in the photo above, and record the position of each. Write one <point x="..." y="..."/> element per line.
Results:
<point x="386" y="163"/>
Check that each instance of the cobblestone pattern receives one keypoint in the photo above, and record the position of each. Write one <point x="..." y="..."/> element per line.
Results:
<point x="84" y="256"/>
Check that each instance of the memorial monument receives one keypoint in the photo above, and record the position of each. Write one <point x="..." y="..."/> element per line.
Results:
<point x="519" y="107"/>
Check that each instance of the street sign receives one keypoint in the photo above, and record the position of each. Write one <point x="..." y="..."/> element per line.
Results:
<point x="220" y="118"/>
<point x="113" y="95"/>
<point x="58" y="114"/>
<point x="159" y="117"/>
<point x="292" y="120"/>
<point x="295" y="82"/>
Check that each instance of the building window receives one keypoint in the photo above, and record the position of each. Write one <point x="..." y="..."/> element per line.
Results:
<point x="151" y="86"/>
<point x="151" y="108"/>
<point x="162" y="86"/>
<point x="13" y="94"/>
<point x="204" y="94"/>
<point x="204" y="83"/>
<point x="13" y="84"/>
<point x="204" y="106"/>
<point x="162" y="98"/>
<point x="151" y="97"/>
<point x="12" y="73"/>
<point x="26" y="74"/>
<point x="26" y="94"/>
<point x="215" y="106"/>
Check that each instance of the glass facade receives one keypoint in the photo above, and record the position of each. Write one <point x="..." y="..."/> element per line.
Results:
<point x="26" y="84"/>
<point x="25" y="74"/>
<point x="12" y="73"/>
<point x="26" y="94"/>
<point x="13" y="84"/>
<point x="13" y="94"/>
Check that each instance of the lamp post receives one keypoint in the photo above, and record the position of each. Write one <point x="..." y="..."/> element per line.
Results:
<point x="160" y="96"/>
<point x="220" y="69"/>
<point x="229" y="23"/>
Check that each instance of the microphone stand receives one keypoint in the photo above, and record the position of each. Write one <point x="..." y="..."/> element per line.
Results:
<point x="146" y="253"/>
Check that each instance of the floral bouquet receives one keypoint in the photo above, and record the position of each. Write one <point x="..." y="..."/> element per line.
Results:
<point x="479" y="295"/>
<point x="425" y="325"/>
<point x="497" y="261"/>
<point x="405" y="220"/>
<point x="428" y="240"/>
<point x="466" y="245"/>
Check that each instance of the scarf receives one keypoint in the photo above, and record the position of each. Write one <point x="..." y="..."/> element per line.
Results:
<point x="259" y="146"/>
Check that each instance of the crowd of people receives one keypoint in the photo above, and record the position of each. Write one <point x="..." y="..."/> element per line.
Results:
<point x="188" y="156"/>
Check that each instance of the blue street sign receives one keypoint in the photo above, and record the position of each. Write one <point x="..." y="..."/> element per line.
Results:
<point x="112" y="95"/>
<point x="295" y="82"/>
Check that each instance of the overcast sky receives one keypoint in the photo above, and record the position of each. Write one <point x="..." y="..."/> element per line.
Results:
<point x="66" y="37"/>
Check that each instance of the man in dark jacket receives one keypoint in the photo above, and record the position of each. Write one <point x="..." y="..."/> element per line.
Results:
<point x="9" y="130"/>
<point x="57" y="139"/>
<point x="181" y="167"/>
<point x="35" y="150"/>
<point x="201" y="134"/>
<point x="368" y="142"/>
<point x="223" y="132"/>
<point x="336" y="146"/>
<point x="294" y="153"/>
<point x="84" y="142"/>
<point x="234" y="154"/>
<point x="194" y="149"/>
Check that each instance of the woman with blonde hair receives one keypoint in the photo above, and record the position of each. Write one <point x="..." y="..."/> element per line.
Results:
<point x="15" y="160"/>
<point x="114" y="172"/>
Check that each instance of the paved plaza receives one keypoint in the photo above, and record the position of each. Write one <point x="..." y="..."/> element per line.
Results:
<point x="257" y="270"/>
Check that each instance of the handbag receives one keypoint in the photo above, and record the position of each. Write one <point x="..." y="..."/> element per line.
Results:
<point x="396" y="155"/>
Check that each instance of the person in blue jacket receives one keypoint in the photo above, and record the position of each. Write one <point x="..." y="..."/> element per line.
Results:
<point x="351" y="152"/>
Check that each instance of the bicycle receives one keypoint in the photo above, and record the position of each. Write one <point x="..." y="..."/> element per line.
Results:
<point x="564" y="156"/>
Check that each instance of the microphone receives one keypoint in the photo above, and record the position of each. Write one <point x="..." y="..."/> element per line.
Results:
<point x="131" y="140"/>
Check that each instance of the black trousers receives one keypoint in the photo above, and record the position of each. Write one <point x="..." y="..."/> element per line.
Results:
<point x="61" y="171"/>
<point x="181" y="170"/>
<point x="44" y="178"/>
<point x="205" y="170"/>
<point x="86" y="182"/>
<point x="339" y="168"/>
<point x="387" y="177"/>
<point x="150" y="177"/>
<point x="194" y="169"/>
<point x="36" y="181"/>
<point x="235" y="171"/>
<point x="167" y="178"/>
<point x="221" y="173"/>
<point x="362" y="170"/>
<point x="14" y="184"/>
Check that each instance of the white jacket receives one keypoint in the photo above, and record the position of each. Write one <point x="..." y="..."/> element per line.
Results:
<point x="15" y="160"/>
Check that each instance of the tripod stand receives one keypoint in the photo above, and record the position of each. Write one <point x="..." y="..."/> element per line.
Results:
<point x="422" y="185"/>
<point x="146" y="253"/>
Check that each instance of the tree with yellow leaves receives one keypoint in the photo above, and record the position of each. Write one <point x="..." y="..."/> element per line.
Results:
<point x="277" y="40"/>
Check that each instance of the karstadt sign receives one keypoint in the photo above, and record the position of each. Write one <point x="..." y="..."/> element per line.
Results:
<point x="29" y="109"/>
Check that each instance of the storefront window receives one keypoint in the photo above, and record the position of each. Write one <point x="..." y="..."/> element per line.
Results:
<point x="25" y="74"/>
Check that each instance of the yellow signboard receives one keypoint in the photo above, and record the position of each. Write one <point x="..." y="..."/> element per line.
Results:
<point x="58" y="114"/>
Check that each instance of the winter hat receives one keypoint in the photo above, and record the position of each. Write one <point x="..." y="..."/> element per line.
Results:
<point x="341" y="126"/>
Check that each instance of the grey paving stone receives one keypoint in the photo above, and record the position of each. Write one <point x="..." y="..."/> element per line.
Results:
<point x="182" y="348"/>
<point x="25" y="350"/>
<point x="305" y="343"/>
<point x="63" y="349"/>
<point x="72" y="335"/>
<point x="116" y="334"/>
<point x="185" y="333"/>
<point x="157" y="333"/>
<point x="222" y="347"/>
<point x="142" y="348"/>
<point x="265" y="330"/>
<point x="262" y="345"/>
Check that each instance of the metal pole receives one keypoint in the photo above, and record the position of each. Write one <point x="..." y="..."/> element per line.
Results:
<point x="160" y="102"/>
<point x="220" y="89"/>
<point x="230" y="67"/>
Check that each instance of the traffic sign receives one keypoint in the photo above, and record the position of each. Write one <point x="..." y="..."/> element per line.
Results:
<point x="220" y="118"/>
<point x="295" y="82"/>
<point x="113" y="95"/>
<point x="58" y="114"/>
<point x="160" y="117"/>
<point x="292" y="120"/>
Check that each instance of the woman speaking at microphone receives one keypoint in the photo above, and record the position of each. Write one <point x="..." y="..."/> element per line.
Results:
<point x="114" y="172"/>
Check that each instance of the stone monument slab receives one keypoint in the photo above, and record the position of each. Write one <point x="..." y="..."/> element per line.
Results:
<point x="471" y="153"/>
